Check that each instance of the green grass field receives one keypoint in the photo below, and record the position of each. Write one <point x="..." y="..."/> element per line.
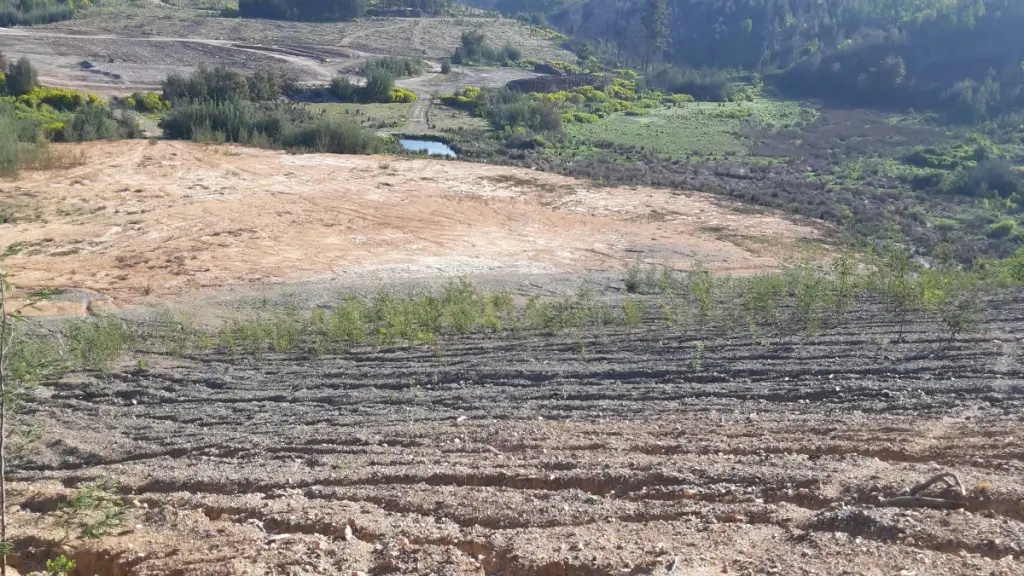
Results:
<point x="386" y="117"/>
<point x="446" y="118"/>
<point x="695" y="129"/>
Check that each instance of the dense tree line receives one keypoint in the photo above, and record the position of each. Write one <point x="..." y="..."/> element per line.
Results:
<point x="962" y="57"/>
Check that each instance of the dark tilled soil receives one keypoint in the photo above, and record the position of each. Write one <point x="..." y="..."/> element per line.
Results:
<point x="615" y="452"/>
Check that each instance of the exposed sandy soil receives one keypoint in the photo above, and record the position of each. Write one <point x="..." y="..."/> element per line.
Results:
<point x="143" y="221"/>
<point x="529" y="457"/>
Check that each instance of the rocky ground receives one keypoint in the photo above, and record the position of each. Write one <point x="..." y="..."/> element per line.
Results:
<point x="620" y="451"/>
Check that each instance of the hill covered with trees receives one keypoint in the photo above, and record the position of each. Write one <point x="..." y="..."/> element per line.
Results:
<point x="962" y="57"/>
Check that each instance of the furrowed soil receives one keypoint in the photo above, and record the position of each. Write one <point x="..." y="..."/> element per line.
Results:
<point x="141" y="223"/>
<point x="606" y="452"/>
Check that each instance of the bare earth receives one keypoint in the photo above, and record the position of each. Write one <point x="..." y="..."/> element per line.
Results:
<point x="604" y="453"/>
<point x="124" y="59"/>
<point x="142" y="221"/>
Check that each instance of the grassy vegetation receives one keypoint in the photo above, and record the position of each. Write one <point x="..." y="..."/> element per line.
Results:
<point x="372" y="116"/>
<point x="695" y="129"/>
<point x="220" y="105"/>
<point x="454" y="120"/>
<point x="21" y="13"/>
<point x="800" y="301"/>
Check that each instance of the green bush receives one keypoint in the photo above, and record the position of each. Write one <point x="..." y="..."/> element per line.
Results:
<point x="21" y="78"/>
<point x="221" y="85"/>
<point x="446" y="66"/>
<point x="378" y="86"/>
<point x="402" y="95"/>
<point x="335" y="136"/>
<point x="34" y="13"/>
<point x="92" y="123"/>
<point x="531" y="115"/>
<point x="95" y="343"/>
<point x="147" y="102"/>
<point x="9" y="145"/>
<point x="397" y="67"/>
<point x="273" y="125"/>
<point x="1002" y="229"/>
<point x="474" y="49"/>
<point x="343" y="89"/>
<point x="58" y="99"/>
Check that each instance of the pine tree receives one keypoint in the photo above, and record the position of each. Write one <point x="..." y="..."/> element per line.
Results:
<point x="655" y="22"/>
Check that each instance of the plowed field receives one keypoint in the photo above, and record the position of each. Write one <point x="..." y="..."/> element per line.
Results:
<point x="611" y="452"/>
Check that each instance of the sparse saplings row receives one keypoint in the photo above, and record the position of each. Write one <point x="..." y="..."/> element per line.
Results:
<point x="695" y="305"/>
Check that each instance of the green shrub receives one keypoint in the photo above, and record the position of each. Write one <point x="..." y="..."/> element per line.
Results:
<point x="58" y="99"/>
<point x="21" y="78"/>
<point x="378" y="86"/>
<point x="402" y="95"/>
<point x="95" y="343"/>
<point x="28" y="13"/>
<point x="147" y="102"/>
<point x="474" y="49"/>
<point x="277" y="125"/>
<point x="446" y="66"/>
<point x="92" y="123"/>
<point x="396" y="67"/>
<point x="343" y="89"/>
<point x="9" y="146"/>
<point x="331" y="135"/>
<point x="1002" y="229"/>
<point x="222" y="85"/>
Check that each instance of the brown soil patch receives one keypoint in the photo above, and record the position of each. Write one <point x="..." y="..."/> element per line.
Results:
<point x="173" y="217"/>
<point x="522" y="457"/>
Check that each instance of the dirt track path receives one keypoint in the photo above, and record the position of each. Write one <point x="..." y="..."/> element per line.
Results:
<point x="313" y="67"/>
<point x="590" y="454"/>
<point x="419" y="121"/>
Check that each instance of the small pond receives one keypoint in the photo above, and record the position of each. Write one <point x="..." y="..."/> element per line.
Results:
<point x="429" y="146"/>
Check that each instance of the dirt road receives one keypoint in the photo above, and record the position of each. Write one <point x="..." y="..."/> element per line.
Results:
<point x="604" y="453"/>
<point x="118" y="65"/>
<point x="142" y="221"/>
<point x="122" y="60"/>
<point x="426" y="86"/>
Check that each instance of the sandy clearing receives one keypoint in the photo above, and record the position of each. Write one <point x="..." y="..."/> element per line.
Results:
<point x="171" y="218"/>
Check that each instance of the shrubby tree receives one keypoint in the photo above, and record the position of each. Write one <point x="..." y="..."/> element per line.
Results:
<point x="21" y="78"/>
<point x="378" y="86"/>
